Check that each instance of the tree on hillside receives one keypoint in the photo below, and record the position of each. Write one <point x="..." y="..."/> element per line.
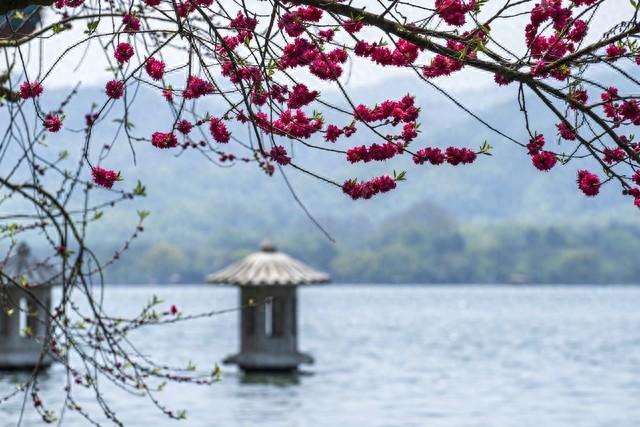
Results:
<point x="268" y="65"/>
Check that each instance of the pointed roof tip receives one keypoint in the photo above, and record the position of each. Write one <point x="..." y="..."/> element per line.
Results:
<point x="268" y="267"/>
<point x="268" y="246"/>
<point x="24" y="266"/>
<point x="24" y="249"/>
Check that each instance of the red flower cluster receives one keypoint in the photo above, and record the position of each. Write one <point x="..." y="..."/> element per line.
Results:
<point x="293" y="22"/>
<point x="279" y="155"/>
<point x="453" y="11"/>
<point x="236" y="73"/>
<point x="588" y="183"/>
<point x="542" y="160"/>
<point x="332" y="133"/>
<point x="566" y="132"/>
<point x="442" y="65"/>
<point x="300" y="52"/>
<point x="154" y="68"/>
<point x="453" y="155"/>
<point x="400" y="111"/>
<point x="579" y="31"/>
<point x="580" y="96"/>
<point x="131" y="23"/>
<point x="374" y="152"/>
<point x="555" y="46"/>
<point x="352" y="26"/>
<point x="184" y="126"/>
<point x="164" y="140"/>
<point x="301" y="96"/>
<point x="123" y="52"/>
<point x="197" y="87"/>
<point x="501" y="80"/>
<point x="615" y="51"/>
<point x="435" y="156"/>
<point x="409" y="132"/>
<point x="611" y="108"/>
<point x="30" y="90"/>
<point x="327" y="66"/>
<point x="613" y="155"/>
<point x="68" y="3"/>
<point x="368" y="189"/>
<point x="52" y="123"/>
<point x="548" y="10"/>
<point x="535" y="144"/>
<point x="293" y="123"/>
<point x="168" y="95"/>
<point x="630" y="110"/>
<point x="404" y="54"/>
<point x="456" y="156"/>
<point x="219" y="131"/>
<point x="243" y="23"/>
<point x="114" y="89"/>
<point x="104" y="177"/>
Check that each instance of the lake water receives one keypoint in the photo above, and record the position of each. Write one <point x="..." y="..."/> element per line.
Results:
<point x="398" y="356"/>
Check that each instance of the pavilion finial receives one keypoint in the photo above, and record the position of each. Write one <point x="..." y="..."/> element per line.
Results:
<point x="23" y="249"/>
<point x="268" y="246"/>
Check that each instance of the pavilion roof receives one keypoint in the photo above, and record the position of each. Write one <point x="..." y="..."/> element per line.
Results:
<point x="24" y="266"/>
<point x="268" y="267"/>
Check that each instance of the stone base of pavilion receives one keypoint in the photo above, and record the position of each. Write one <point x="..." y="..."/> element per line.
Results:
<point x="23" y="359"/>
<point x="269" y="362"/>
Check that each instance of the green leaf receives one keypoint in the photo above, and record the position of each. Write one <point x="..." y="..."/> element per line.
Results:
<point x="216" y="371"/>
<point x="91" y="27"/>
<point x="485" y="148"/>
<point x="140" y="190"/>
<point x="58" y="28"/>
<point x="400" y="176"/>
<point x="143" y="214"/>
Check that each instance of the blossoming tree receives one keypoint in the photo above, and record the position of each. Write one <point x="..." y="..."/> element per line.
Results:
<point x="268" y="65"/>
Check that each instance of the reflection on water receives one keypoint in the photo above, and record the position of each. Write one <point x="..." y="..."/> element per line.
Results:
<point x="395" y="356"/>
<point x="280" y="379"/>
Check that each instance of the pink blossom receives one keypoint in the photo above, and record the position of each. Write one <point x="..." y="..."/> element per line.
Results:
<point x="114" y="89"/>
<point x="279" y="155"/>
<point x="219" y="131"/>
<point x="588" y="183"/>
<point x="154" y="68"/>
<point x="30" y="90"/>
<point x="163" y="140"/>
<point x="53" y="123"/>
<point x="123" y="52"/>
<point x="566" y="132"/>
<point x="197" y="87"/>
<point x="544" y="160"/>
<point x="104" y="177"/>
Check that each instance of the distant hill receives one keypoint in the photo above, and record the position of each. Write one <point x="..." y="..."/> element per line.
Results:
<point x="196" y="204"/>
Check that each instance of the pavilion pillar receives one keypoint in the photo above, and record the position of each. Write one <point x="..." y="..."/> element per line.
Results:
<point x="268" y="282"/>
